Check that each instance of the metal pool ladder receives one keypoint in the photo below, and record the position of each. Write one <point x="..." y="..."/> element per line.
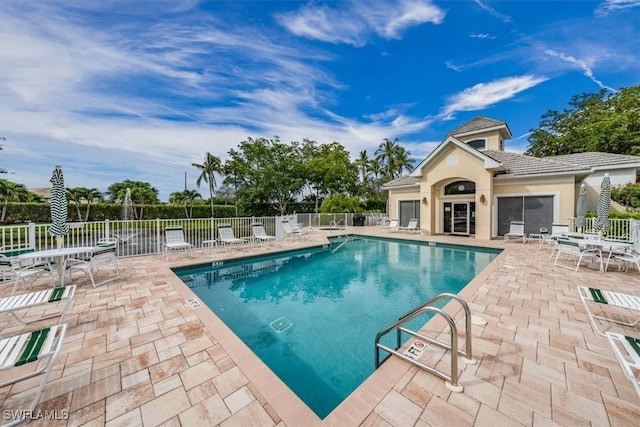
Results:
<point x="452" y="378"/>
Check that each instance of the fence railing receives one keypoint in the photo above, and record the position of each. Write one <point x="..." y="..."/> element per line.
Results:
<point x="619" y="228"/>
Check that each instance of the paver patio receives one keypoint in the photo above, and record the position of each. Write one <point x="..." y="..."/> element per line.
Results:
<point x="136" y="354"/>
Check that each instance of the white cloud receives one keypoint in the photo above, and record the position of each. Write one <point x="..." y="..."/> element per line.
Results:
<point x="481" y="36"/>
<point x="484" y="95"/>
<point x="355" y="24"/>
<point x="610" y="6"/>
<point x="582" y="64"/>
<point x="493" y="12"/>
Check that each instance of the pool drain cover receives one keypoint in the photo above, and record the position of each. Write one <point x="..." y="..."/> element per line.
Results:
<point x="280" y="325"/>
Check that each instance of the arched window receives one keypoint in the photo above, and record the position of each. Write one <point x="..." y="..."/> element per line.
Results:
<point x="460" y="187"/>
<point x="478" y="144"/>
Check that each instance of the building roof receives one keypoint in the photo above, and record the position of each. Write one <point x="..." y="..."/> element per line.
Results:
<point x="403" y="181"/>
<point x="597" y="159"/>
<point x="44" y="192"/>
<point x="519" y="164"/>
<point x="480" y="124"/>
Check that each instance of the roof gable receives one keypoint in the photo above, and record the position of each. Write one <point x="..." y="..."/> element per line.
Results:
<point x="489" y="163"/>
<point x="481" y="124"/>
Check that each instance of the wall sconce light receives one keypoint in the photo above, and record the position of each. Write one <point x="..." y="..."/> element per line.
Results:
<point x="424" y="200"/>
<point x="482" y="198"/>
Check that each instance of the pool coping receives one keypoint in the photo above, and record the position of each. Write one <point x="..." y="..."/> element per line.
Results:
<point x="290" y="408"/>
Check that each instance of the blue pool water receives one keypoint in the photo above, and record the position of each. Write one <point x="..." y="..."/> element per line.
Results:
<point x="312" y="315"/>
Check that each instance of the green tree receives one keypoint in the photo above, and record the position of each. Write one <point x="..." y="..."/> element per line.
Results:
<point x="11" y="192"/>
<point x="628" y="196"/>
<point x="208" y="169"/>
<point x="603" y="121"/>
<point x="362" y="163"/>
<point x="385" y="155"/>
<point x="266" y="172"/>
<point x="82" y="196"/>
<point x="186" y="198"/>
<point x="338" y="203"/>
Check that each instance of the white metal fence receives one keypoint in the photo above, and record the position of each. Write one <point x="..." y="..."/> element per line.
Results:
<point x="619" y="229"/>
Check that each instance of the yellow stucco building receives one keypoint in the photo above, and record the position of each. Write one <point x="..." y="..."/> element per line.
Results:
<point x="469" y="185"/>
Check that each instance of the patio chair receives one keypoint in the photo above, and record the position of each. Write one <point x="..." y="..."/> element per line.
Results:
<point x="260" y="234"/>
<point x="24" y="271"/>
<point x="226" y="236"/>
<point x="174" y="240"/>
<point x="568" y="248"/>
<point x="18" y="303"/>
<point x="291" y="231"/>
<point x="516" y="230"/>
<point x="608" y="300"/>
<point x="104" y="254"/>
<point x="412" y="227"/>
<point x="627" y="351"/>
<point x="629" y="256"/>
<point x="37" y="349"/>
<point x="392" y="226"/>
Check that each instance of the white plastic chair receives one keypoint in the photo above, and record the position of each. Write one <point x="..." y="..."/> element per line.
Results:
<point x="516" y="230"/>
<point x="291" y="231"/>
<point x="412" y="227"/>
<point x="260" y="234"/>
<point x="104" y="254"/>
<point x="573" y="250"/>
<point x="174" y="240"/>
<point x="226" y="236"/>
<point x="605" y="299"/>
<point x="31" y="348"/>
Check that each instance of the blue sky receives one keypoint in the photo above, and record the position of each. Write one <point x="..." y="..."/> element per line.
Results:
<point x="124" y="89"/>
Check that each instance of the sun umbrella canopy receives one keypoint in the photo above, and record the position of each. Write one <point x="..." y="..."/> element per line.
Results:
<point x="601" y="224"/>
<point x="59" y="226"/>
<point x="581" y="207"/>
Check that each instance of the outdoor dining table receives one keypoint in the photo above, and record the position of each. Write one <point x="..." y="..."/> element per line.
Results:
<point x="59" y="255"/>
<point x="604" y="245"/>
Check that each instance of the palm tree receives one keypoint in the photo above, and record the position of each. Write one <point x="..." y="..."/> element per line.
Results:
<point x="362" y="164"/>
<point x="74" y="196"/>
<point x="386" y="153"/>
<point x="401" y="161"/>
<point x="187" y="197"/>
<point x="208" y="169"/>
<point x="92" y="195"/>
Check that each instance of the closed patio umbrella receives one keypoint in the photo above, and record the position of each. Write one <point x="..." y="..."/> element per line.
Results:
<point x="601" y="224"/>
<point x="59" y="227"/>
<point x="581" y="208"/>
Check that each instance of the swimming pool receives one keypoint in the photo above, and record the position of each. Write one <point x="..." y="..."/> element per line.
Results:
<point x="312" y="315"/>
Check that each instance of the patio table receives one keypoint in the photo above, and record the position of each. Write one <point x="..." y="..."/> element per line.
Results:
<point x="59" y="255"/>
<point x="603" y="245"/>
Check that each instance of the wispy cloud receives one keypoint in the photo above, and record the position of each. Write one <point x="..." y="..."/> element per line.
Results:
<point x="358" y="21"/>
<point x="484" y="95"/>
<point x="493" y="12"/>
<point x="481" y="36"/>
<point x="582" y="64"/>
<point x="609" y="6"/>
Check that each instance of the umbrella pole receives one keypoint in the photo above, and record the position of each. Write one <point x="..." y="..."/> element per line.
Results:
<point x="59" y="241"/>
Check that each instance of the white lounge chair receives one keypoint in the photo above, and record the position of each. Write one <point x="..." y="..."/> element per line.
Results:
<point x="39" y="348"/>
<point x="568" y="248"/>
<point x="226" y="236"/>
<point x="629" y="256"/>
<point x="260" y="234"/>
<point x="516" y="230"/>
<point x="103" y="255"/>
<point x="392" y="226"/>
<point x="412" y="227"/>
<point x="291" y="231"/>
<point x="627" y="351"/>
<point x="174" y="240"/>
<point x="18" y="303"/>
<point x="608" y="299"/>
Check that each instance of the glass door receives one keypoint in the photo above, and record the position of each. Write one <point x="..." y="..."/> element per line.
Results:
<point x="460" y="218"/>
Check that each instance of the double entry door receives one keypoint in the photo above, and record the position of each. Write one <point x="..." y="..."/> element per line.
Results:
<point x="459" y="217"/>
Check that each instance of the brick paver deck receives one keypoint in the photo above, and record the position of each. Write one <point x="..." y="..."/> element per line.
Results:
<point x="136" y="354"/>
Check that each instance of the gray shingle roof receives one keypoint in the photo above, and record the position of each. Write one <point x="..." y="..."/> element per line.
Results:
<point x="476" y="124"/>
<point x="519" y="164"/>
<point x="594" y="159"/>
<point x="403" y="181"/>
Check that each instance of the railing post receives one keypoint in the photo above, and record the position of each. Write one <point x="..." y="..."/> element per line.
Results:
<point x="107" y="228"/>
<point x="158" y="237"/>
<point x="32" y="236"/>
